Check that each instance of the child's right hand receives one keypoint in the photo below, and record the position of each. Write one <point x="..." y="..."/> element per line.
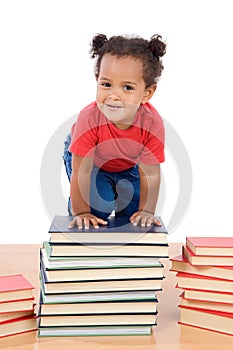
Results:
<point x="86" y="219"/>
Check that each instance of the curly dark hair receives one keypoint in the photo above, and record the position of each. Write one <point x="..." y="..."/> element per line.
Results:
<point x="149" y="52"/>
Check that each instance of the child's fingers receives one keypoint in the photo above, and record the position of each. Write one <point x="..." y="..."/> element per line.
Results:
<point x="157" y="222"/>
<point x="72" y="223"/>
<point x="135" y="219"/>
<point x="101" y="221"/>
<point x="85" y="221"/>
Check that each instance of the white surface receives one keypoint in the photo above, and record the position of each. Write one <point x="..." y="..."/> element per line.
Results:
<point x="46" y="77"/>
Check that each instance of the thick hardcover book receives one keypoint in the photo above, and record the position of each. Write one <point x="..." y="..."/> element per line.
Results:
<point x="94" y="331"/>
<point x="116" y="231"/>
<point x="206" y="305"/>
<point x="219" y="297"/>
<point x="97" y="320"/>
<point x="94" y="262"/>
<point x="97" y="297"/>
<point x="211" y="320"/>
<point x="119" y="307"/>
<point x="16" y="305"/>
<point x="15" y="315"/>
<point x="216" y="246"/>
<point x="14" y="287"/>
<point x="190" y="281"/>
<point x="160" y="251"/>
<point x="100" y="286"/>
<point x="206" y="259"/>
<point x="179" y="264"/>
<point x="17" y="326"/>
<point x="68" y="275"/>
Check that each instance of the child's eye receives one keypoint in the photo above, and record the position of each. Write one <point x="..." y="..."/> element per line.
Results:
<point x="106" y="84"/>
<point x="127" y="88"/>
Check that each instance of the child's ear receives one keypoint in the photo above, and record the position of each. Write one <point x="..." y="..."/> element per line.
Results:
<point x="149" y="92"/>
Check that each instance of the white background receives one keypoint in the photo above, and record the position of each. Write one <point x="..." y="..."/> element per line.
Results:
<point x="46" y="76"/>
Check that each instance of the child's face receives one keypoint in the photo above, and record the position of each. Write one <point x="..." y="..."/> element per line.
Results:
<point x="121" y="89"/>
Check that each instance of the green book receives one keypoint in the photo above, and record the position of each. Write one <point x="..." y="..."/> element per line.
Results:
<point x="94" y="331"/>
<point x="99" y="307"/>
<point x="97" y="320"/>
<point x="97" y="296"/>
<point x="84" y="262"/>
<point x="65" y="275"/>
<point x="99" y="285"/>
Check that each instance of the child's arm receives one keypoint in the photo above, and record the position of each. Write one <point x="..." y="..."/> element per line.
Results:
<point x="80" y="193"/>
<point x="149" y="192"/>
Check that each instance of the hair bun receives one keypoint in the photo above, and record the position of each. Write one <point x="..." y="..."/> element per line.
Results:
<point x="97" y="42"/>
<point x="157" y="46"/>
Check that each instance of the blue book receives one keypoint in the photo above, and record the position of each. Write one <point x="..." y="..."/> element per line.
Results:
<point x="117" y="231"/>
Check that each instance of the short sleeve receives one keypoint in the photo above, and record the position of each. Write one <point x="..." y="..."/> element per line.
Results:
<point x="84" y="136"/>
<point x="153" y="145"/>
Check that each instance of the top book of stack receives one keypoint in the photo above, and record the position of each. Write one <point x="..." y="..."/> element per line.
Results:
<point x="217" y="246"/>
<point x="209" y="250"/>
<point x="117" y="231"/>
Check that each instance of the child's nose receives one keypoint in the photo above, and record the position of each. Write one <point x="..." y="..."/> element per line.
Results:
<point x="115" y="94"/>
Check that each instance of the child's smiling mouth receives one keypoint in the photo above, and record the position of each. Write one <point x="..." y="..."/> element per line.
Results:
<point x="113" y="107"/>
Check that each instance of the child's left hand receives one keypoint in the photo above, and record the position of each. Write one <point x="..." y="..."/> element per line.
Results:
<point x="144" y="218"/>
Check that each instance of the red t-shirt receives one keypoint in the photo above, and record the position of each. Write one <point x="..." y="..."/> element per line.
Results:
<point x="113" y="150"/>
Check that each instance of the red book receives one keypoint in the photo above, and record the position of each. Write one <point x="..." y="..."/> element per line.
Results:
<point x="16" y="305"/>
<point x="221" y="322"/>
<point x="216" y="246"/>
<point x="203" y="295"/>
<point x="179" y="264"/>
<point x="191" y="281"/>
<point x="14" y="315"/>
<point x="15" y="287"/>
<point x="205" y="304"/>
<point x="212" y="260"/>
<point x="17" y="326"/>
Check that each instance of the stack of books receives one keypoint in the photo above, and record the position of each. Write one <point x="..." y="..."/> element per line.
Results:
<point x="16" y="305"/>
<point x="100" y="281"/>
<point x="205" y="273"/>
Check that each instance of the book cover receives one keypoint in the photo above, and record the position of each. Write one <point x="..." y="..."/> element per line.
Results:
<point x="67" y="275"/>
<point x="217" y="246"/>
<point x="221" y="322"/>
<point x="191" y="281"/>
<point x="179" y="264"/>
<point x="205" y="259"/>
<point x="94" y="262"/>
<point x="118" y="230"/>
<point x="94" y="331"/>
<point x="14" y="287"/>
